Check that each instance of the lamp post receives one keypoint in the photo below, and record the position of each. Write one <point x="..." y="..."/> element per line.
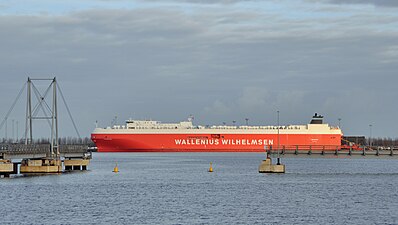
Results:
<point x="12" y="138"/>
<point x="6" y="129"/>
<point x="279" y="161"/>
<point x="370" y="135"/>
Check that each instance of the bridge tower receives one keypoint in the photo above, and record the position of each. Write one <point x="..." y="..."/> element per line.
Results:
<point x="49" y="113"/>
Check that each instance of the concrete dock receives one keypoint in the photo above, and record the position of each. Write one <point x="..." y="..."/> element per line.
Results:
<point x="35" y="159"/>
<point x="266" y="166"/>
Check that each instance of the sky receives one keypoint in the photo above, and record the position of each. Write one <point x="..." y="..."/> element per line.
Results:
<point x="220" y="61"/>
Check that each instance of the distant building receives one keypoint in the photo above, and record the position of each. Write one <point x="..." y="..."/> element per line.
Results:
<point x="358" y="140"/>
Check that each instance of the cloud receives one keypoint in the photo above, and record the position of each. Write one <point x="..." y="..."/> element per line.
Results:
<point x="218" y="108"/>
<point x="219" y="63"/>
<point x="384" y="3"/>
<point x="201" y="1"/>
<point x="389" y="54"/>
<point x="253" y="98"/>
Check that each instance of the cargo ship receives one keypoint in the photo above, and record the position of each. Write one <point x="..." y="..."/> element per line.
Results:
<point x="154" y="136"/>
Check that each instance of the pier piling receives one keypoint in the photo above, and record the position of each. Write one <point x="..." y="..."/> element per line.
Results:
<point x="266" y="166"/>
<point x="76" y="164"/>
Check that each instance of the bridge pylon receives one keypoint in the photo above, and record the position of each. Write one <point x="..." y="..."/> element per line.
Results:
<point x="48" y="113"/>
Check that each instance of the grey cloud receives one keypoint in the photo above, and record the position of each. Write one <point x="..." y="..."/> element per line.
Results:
<point x="203" y="1"/>
<point x="218" y="65"/>
<point x="384" y="3"/>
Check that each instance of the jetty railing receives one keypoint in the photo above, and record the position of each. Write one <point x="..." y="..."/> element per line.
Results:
<point x="319" y="150"/>
<point x="15" y="151"/>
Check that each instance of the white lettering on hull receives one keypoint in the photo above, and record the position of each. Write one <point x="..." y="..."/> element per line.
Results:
<point x="243" y="142"/>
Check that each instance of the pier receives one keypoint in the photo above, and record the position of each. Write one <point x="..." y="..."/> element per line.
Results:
<point x="334" y="151"/>
<point x="31" y="158"/>
<point x="35" y="158"/>
<point x="365" y="152"/>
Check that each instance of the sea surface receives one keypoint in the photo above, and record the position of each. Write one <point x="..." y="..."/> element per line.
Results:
<point x="175" y="188"/>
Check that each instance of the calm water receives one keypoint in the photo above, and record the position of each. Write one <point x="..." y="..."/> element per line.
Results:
<point x="175" y="188"/>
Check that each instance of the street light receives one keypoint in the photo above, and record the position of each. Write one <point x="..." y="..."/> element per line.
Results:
<point x="12" y="139"/>
<point x="370" y="135"/>
<point x="17" y="133"/>
<point x="6" y="129"/>
<point x="278" y="163"/>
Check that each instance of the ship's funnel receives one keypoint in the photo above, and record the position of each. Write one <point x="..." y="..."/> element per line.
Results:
<point x="317" y="119"/>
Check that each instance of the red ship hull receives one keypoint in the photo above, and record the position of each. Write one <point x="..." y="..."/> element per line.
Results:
<point x="213" y="142"/>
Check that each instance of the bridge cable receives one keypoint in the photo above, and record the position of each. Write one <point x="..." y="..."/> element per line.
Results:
<point x="12" y="107"/>
<point x="40" y="100"/>
<point x="70" y="115"/>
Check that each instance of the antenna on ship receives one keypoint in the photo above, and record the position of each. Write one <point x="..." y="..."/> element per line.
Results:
<point x="190" y="118"/>
<point x="114" y="121"/>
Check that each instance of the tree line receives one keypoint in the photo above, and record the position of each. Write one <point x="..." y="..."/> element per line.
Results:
<point x="384" y="141"/>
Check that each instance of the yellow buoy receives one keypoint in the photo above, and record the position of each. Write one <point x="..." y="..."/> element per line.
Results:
<point x="116" y="169"/>
<point x="211" y="168"/>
